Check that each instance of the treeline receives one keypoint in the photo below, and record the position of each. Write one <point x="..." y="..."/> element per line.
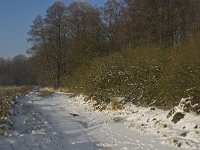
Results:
<point x="16" y="71"/>
<point x="71" y="37"/>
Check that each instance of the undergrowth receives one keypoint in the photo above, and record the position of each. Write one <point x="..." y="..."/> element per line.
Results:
<point x="149" y="75"/>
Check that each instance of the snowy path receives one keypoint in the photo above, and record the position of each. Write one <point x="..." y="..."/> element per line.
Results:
<point x="46" y="123"/>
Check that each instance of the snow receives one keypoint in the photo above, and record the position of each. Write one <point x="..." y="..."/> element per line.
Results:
<point x="184" y="134"/>
<point x="64" y="123"/>
<point x="42" y="124"/>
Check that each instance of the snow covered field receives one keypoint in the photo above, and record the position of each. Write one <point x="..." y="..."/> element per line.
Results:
<point x="59" y="122"/>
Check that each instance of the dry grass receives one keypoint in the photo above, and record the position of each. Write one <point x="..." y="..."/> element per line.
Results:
<point x="7" y="98"/>
<point x="115" y="105"/>
<point x="45" y="93"/>
<point x="60" y="89"/>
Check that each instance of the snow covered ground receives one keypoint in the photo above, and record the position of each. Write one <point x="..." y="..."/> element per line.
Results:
<point x="41" y="124"/>
<point x="60" y="122"/>
<point x="185" y="134"/>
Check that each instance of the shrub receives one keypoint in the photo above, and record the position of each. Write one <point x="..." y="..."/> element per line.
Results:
<point x="148" y="75"/>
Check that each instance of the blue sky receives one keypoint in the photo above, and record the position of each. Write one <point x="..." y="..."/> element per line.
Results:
<point x="16" y="16"/>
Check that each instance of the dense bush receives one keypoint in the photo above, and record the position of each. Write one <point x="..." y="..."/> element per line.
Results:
<point x="148" y="75"/>
<point x="181" y="76"/>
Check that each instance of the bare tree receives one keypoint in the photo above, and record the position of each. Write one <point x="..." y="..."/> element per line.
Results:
<point x="84" y="28"/>
<point x="71" y="36"/>
<point x="48" y="41"/>
<point x="114" y="22"/>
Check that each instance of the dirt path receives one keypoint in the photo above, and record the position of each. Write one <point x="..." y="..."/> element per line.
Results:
<point x="41" y="124"/>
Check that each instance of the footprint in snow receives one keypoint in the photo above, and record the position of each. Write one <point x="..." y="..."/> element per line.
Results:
<point x="151" y="145"/>
<point x="130" y="139"/>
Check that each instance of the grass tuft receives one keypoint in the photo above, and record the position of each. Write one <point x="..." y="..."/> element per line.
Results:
<point x="45" y="93"/>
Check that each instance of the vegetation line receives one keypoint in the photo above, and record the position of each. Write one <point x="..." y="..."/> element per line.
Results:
<point x="145" y="51"/>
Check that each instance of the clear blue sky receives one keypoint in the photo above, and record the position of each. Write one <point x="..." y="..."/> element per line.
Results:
<point x="16" y="16"/>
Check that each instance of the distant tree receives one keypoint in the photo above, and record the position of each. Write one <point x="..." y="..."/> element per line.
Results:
<point x="5" y="72"/>
<point x="16" y="71"/>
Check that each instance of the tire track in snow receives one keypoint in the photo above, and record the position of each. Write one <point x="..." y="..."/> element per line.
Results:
<point x="40" y="124"/>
